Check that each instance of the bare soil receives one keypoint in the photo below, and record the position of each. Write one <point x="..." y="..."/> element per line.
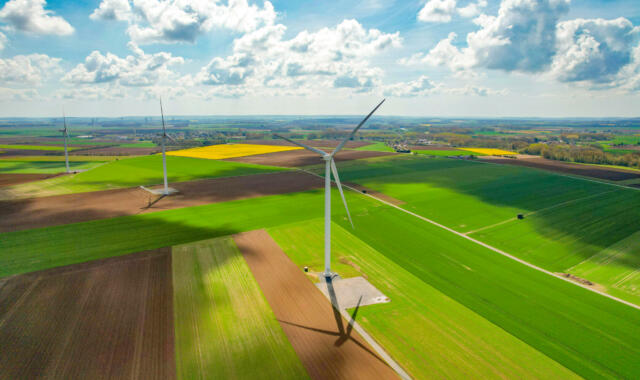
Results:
<point x="323" y="340"/>
<point x="297" y="158"/>
<point x="72" y="208"/>
<point x="612" y="174"/>
<point x="110" y="318"/>
<point x="29" y="152"/>
<point x="314" y="143"/>
<point x="17" y="178"/>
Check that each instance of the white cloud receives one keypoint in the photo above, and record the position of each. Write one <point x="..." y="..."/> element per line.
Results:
<point x="98" y="93"/>
<point x="593" y="50"/>
<point x="3" y="41"/>
<point x="112" y="10"/>
<point x="139" y="69"/>
<point x="155" y="21"/>
<point x="331" y="57"/>
<point x="472" y="9"/>
<point x="18" y="94"/>
<point x="437" y="11"/>
<point x="29" y="16"/>
<point x="419" y="87"/>
<point x="27" y="69"/>
<point x="522" y="37"/>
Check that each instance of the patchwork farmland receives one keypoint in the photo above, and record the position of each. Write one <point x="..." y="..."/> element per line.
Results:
<point x="220" y="276"/>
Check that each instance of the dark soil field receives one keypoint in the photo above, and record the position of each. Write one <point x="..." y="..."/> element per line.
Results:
<point x="72" y="208"/>
<point x="109" y="318"/>
<point x="14" y="179"/>
<point x="611" y="174"/>
<point x="314" y="143"/>
<point x="29" y="152"/>
<point x="323" y="340"/>
<point x="296" y="158"/>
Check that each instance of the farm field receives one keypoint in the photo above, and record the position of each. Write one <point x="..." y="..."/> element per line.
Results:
<point x="585" y="332"/>
<point x="59" y="158"/>
<point x="421" y="327"/>
<point x="566" y="220"/>
<point x="224" y="328"/>
<point x="129" y="172"/>
<point x="34" y="147"/>
<point x="105" y="319"/>
<point x="222" y="151"/>
<point x="45" y="167"/>
<point x="489" y="151"/>
<point x="439" y="152"/>
<point x="376" y="146"/>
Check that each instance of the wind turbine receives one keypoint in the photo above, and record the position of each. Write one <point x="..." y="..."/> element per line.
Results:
<point x="164" y="155"/>
<point x="330" y="167"/>
<point x="65" y="135"/>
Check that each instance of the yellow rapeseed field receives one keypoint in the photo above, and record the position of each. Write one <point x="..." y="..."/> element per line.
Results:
<point x="489" y="151"/>
<point x="222" y="151"/>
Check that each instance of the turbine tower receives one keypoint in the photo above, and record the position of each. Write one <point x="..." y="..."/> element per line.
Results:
<point x="330" y="167"/>
<point x="65" y="135"/>
<point x="164" y="154"/>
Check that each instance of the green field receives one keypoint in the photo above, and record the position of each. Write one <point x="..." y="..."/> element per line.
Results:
<point x="21" y="166"/>
<point x="376" y="146"/>
<point x="34" y="147"/>
<point x="566" y="221"/>
<point x="224" y="327"/>
<point x="61" y="158"/>
<point x="142" y="144"/>
<point x="587" y="333"/>
<point x="453" y="152"/>
<point x="421" y="328"/>
<point x="144" y="170"/>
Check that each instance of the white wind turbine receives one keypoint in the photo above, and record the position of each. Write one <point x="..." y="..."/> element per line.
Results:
<point x="164" y="155"/>
<point x="330" y="167"/>
<point x="65" y="135"/>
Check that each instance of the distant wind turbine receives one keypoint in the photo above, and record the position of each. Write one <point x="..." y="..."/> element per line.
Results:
<point x="330" y="167"/>
<point x="164" y="155"/>
<point x="65" y="135"/>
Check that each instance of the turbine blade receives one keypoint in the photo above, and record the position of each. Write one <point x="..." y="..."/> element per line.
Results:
<point x="170" y="138"/>
<point x="64" y="120"/>
<point x="334" y="170"/>
<point x="164" y="131"/>
<point x="342" y="144"/>
<point x="303" y="145"/>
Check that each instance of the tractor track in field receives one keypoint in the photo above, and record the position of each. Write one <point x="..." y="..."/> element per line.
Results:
<point x="494" y="249"/>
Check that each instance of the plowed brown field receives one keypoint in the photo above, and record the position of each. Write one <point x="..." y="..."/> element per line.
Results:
<point x="110" y="318"/>
<point x="297" y="158"/>
<point x="72" y="208"/>
<point x="16" y="178"/>
<point x="323" y="340"/>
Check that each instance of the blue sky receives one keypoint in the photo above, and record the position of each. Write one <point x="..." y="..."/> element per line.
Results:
<point x="460" y="58"/>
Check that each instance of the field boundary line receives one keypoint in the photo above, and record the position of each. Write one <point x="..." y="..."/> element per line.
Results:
<point x="503" y="253"/>
<point x="540" y="210"/>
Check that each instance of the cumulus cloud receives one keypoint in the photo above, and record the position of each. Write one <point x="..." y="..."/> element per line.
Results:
<point x="91" y="93"/>
<point x="29" y="16"/>
<point x="437" y="11"/>
<point x="419" y="87"/>
<point x="27" y="69"/>
<point x="18" y="94"/>
<point x="156" y="21"/>
<point x="3" y="41"/>
<point x="593" y="50"/>
<point x="330" y="57"/>
<point x="139" y="69"/>
<point x="472" y="9"/>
